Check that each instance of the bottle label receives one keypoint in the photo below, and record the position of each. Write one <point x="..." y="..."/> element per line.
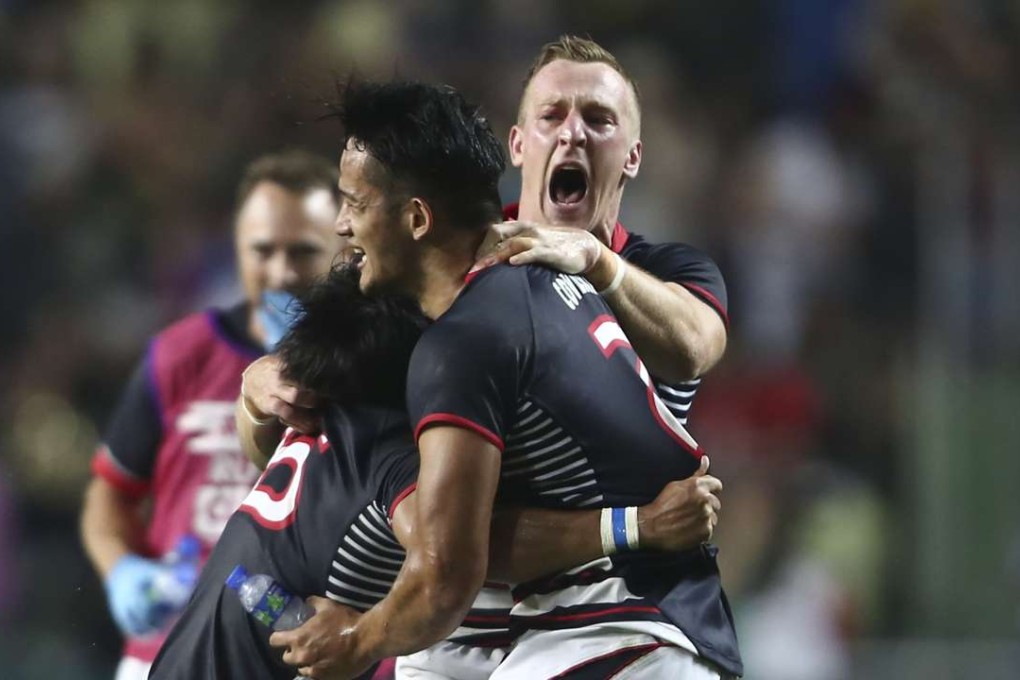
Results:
<point x="271" y="605"/>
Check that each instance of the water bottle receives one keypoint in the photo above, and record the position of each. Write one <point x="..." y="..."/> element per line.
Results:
<point x="170" y="589"/>
<point x="267" y="601"/>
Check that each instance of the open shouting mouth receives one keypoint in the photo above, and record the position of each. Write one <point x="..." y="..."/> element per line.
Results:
<point x="568" y="185"/>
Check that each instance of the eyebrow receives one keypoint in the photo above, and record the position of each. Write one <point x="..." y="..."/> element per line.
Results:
<point x="586" y="102"/>
<point x="347" y="195"/>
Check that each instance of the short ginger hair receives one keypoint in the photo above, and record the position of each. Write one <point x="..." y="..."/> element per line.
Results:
<point x="583" y="51"/>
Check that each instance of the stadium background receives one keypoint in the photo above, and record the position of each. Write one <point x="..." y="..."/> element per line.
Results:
<point x="853" y="166"/>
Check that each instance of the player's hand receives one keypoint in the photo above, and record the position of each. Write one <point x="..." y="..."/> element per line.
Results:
<point x="566" y="249"/>
<point x="323" y="647"/>
<point x="134" y="609"/>
<point x="266" y="394"/>
<point x="684" y="514"/>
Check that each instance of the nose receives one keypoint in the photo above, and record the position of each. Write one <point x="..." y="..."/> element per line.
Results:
<point x="342" y="226"/>
<point x="281" y="274"/>
<point x="572" y="132"/>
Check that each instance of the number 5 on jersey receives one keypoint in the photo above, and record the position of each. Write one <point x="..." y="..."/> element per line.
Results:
<point x="272" y="508"/>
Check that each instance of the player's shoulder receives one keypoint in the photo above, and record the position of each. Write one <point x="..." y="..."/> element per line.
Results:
<point x="489" y="294"/>
<point x="366" y="423"/>
<point x="511" y="300"/>
<point x="365" y="434"/>
<point x="492" y="311"/>
<point x="511" y="284"/>
<point x="638" y="247"/>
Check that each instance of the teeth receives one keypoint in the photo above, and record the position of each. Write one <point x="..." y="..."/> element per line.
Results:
<point x="355" y="255"/>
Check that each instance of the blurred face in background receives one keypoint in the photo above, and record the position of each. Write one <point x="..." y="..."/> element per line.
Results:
<point x="576" y="143"/>
<point x="284" y="240"/>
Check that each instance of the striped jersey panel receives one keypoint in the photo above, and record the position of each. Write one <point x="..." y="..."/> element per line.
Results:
<point x="540" y="454"/>
<point x="366" y="562"/>
<point x="678" y="396"/>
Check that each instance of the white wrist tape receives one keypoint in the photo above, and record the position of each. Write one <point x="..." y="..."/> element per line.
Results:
<point x="633" y="539"/>
<point x="619" y="530"/>
<point x="621" y="271"/>
<point x="606" y="529"/>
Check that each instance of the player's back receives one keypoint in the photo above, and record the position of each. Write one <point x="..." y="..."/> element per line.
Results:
<point x="316" y="522"/>
<point x="534" y="361"/>
<point x="569" y="401"/>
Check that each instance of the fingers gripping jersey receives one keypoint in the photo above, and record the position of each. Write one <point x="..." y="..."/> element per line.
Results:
<point x="533" y="360"/>
<point x="317" y="521"/>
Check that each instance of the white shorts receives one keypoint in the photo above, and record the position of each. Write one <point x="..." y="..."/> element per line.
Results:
<point x="599" y="653"/>
<point x="450" y="661"/>
<point x="131" y="668"/>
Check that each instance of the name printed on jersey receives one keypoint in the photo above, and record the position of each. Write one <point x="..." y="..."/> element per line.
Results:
<point x="570" y="288"/>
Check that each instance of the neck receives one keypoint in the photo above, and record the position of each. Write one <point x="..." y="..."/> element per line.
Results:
<point x="444" y="267"/>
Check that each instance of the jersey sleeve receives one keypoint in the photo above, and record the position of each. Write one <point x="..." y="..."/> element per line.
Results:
<point x="398" y="474"/>
<point x="468" y="368"/>
<point x="127" y="454"/>
<point x="689" y="267"/>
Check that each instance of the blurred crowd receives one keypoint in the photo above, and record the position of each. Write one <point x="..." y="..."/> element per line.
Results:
<point x="850" y="164"/>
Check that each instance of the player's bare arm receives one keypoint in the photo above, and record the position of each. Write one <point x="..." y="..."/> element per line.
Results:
<point x="444" y="569"/>
<point x="529" y="543"/>
<point x="678" y="336"/>
<point x="266" y="405"/>
<point x="111" y="524"/>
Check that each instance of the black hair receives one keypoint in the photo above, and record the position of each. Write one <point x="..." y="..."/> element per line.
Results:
<point x="429" y="142"/>
<point x="351" y="348"/>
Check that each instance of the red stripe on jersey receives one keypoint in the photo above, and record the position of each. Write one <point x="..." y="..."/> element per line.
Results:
<point x="400" y="498"/>
<point x="104" y="466"/>
<point x="712" y="301"/>
<point x="593" y="614"/>
<point x="483" y="618"/>
<point x="385" y="670"/>
<point x="458" y="421"/>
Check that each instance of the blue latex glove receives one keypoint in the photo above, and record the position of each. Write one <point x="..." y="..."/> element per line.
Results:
<point x="129" y="593"/>
<point x="279" y="309"/>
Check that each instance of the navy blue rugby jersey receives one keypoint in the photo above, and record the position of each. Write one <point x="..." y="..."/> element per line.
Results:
<point x="676" y="263"/>
<point x="694" y="270"/>
<point x="317" y="521"/>
<point x="534" y="362"/>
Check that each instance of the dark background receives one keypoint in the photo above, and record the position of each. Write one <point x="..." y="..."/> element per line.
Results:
<point x="852" y="165"/>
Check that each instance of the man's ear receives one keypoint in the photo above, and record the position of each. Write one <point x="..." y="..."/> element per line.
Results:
<point x="633" y="162"/>
<point x="418" y="215"/>
<point x="516" y="145"/>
